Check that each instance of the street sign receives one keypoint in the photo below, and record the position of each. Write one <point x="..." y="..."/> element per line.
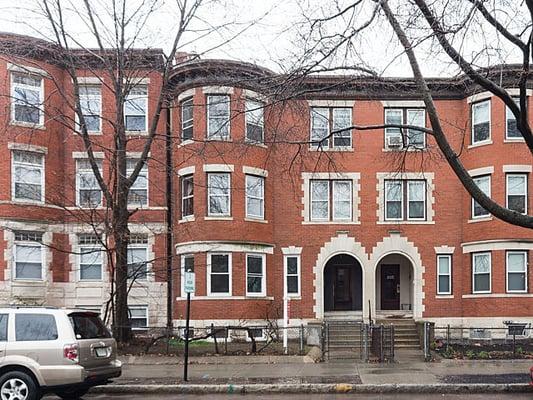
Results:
<point x="188" y="283"/>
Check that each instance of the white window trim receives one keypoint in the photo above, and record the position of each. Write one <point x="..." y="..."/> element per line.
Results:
<point x="246" y="195"/>
<point x="146" y="112"/>
<point x="142" y="307"/>
<point x="209" y="213"/>
<point x="78" y="187"/>
<point x="43" y="179"/>
<point x="93" y="247"/>
<point x="474" y="274"/>
<point x="230" y="273"/>
<point x="489" y="138"/>
<point x="489" y="194"/>
<point x="449" y="275"/>
<point x="330" y="138"/>
<point x="525" y="176"/>
<point x="33" y="244"/>
<point x="402" y="205"/>
<point x="507" y="271"/>
<point x="404" y="111"/>
<point x="98" y="132"/>
<point x="262" y="256"/>
<point x="285" y="275"/>
<point x="182" y="274"/>
<point x="228" y="123"/>
<point x="315" y="219"/>
<point x="333" y="208"/>
<point x="406" y="187"/>
<point x="41" y="100"/>
<point x="146" y="247"/>
<point x="184" y="198"/>
<point x="128" y="173"/>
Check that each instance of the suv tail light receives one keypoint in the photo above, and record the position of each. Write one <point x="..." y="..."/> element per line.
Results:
<point x="70" y="352"/>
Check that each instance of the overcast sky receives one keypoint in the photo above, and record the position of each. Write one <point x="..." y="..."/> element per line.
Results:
<point x="270" y="33"/>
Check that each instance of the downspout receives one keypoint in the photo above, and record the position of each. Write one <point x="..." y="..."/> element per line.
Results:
<point x="169" y="216"/>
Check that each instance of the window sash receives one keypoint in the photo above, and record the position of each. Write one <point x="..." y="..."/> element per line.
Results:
<point x="514" y="270"/>
<point x="477" y="259"/>
<point x="89" y="193"/>
<point x="218" y="117"/>
<point x="406" y="116"/>
<point x="187" y="196"/>
<point x="398" y="198"/>
<point x="511" y="128"/>
<point x="91" y="107"/>
<point x="339" y="198"/>
<point x="255" y="196"/>
<point x="90" y="263"/>
<point x="138" y="316"/>
<point x="214" y="275"/>
<point x="421" y="199"/>
<point x="446" y="275"/>
<point x="342" y="118"/>
<point x="320" y="127"/>
<point x="219" y="194"/>
<point x="137" y="261"/>
<point x="516" y="193"/>
<point x="28" y="256"/>
<point x="138" y="194"/>
<point x="136" y="110"/>
<point x="484" y="184"/>
<point x="254" y="116"/>
<point x="481" y="122"/>
<point x="187" y="119"/>
<point x="292" y="276"/>
<point x="28" y="176"/>
<point x="325" y="120"/>
<point x="27" y="93"/>
<point x="252" y="277"/>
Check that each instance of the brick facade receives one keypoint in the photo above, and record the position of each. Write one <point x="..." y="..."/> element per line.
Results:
<point x="289" y="165"/>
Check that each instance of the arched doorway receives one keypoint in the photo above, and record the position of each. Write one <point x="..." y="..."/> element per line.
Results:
<point x="394" y="284"/>
<point x="343" y="284"/>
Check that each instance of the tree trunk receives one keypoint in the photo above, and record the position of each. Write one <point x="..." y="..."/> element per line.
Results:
<point x="122" y="328"/>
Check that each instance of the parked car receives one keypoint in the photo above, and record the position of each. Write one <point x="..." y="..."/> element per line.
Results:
<point x="63" y="351"/>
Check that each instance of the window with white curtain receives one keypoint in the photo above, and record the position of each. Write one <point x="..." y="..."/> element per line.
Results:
<point x="331" y="200"/>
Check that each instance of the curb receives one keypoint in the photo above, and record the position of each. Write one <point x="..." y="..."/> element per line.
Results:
<point x="314" y="388"/>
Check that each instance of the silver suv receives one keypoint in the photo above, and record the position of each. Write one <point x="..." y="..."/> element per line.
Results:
<point x="53" y="350"/>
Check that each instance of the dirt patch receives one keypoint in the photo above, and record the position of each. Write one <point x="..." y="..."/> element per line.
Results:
<point x="486" y="351"/>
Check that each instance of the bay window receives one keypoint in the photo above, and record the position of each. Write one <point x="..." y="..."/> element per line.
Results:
<point x="254" y="121"/>
<point x="218" y="193"/>
<point x="481" y="272"/>
<point x="218" y="117"/>
<point x="219" y="274"/>
<point x="517" y="192"/>
<point x="255" y="196"/>
<point x="187" y="196"/>
<point x="187" y="120"/>
<point x="516" y="271"/>
<point x="255" y="275"/>
<point x="483" y="183"/>
<point x="511" y="127"/>
<point x="481" y="122"/>
<point x="27" y="96"/>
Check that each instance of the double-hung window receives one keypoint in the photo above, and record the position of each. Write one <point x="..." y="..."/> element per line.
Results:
<point x="516" y="271"/>
<point x="255" y="275"/>
<point x="136" y="109"/>
<point x="27" y="98"/>
<point x="517" y="192"/>
<point x="28" y="176"/>
<point x="325" y="120"/>
<point x="481" y="122"/>
<point x="89" y="191"/>
<point x="292" y="271"/>
<point x="483" y="183"/>
<point x="254" y="121"/>
<point x="331" y="200"/>
<point x="187" y="196"/>
<point x="511" y="127"/>
<point x="219" y="274"/>
<point x="218" y="117"/>
<point x="187" y="119"/>
<point x="444" y="274"/>
<point x="398" y="138"/>
<point x="405" y="200"/>
<point x="28" y="254"/>
<point x="138" y="317"/>
<point x="481" y="272"/>
<point x="90" y="257"/>
<point x="255" y="197"/>
<point x="138" y="194"/>
<point x="91" y="107"/>
<point x="138" y="257"/>
<point x="219" y="194"/>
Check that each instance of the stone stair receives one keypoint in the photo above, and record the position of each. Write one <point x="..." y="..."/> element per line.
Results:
<point x="405" y="332"/>
<point x="344" y="341"/>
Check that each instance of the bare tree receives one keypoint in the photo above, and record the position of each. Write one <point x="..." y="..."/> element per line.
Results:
<point x="457" y="29"/>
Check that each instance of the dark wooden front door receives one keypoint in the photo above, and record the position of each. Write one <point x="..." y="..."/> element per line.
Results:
<point x="342" y="289"/>
<point x="390" y="287"/>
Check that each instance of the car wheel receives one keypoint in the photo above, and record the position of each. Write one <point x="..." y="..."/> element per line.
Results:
<point x="18" y="385"/>
<point x="72" y="394"/>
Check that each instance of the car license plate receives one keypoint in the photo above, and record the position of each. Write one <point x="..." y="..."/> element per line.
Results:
<point x="101" y="351"/>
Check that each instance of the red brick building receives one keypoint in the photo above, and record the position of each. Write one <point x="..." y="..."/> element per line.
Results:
<point x="265" y="202"/>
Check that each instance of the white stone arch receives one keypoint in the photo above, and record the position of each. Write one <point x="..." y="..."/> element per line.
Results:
<point x="340" y="244"/>
<point x="396" y="244"/>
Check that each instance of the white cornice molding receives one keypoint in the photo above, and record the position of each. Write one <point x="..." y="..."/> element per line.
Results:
<point x="487" y="95"/>
<point x="186" y="94"/>
<point x="497" y="244"/>
<point x="217" y="90"/>
<point x="219" y="246"/>
<point x="518" y="168"/>
<point x="255" y="171"/>
<point x="331" y="103"/>
<point x="481" y="171"/>
<point x="84" y="154"/>
<point x="218" y="168"/>
<point x="444" y="250"/>
<point x="291" y="251"/>
<point x="27" y="69"/>
<point x="186" y="170"/>
<point x="403" y="103"/>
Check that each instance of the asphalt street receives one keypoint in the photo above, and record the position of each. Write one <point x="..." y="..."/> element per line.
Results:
<point x="514" y="396"/>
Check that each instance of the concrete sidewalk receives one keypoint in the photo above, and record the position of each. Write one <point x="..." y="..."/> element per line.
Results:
<point x="409" y="369"/>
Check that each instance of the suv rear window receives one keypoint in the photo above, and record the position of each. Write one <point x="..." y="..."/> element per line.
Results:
<point x="88" y="326"/>
<point x="3" y="327"/>
<point x="35" y="327"/>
